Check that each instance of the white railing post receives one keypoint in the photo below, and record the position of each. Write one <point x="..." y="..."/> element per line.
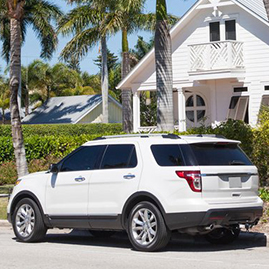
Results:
<point x="230" y="54"/>
<point x="181" y="110"/>
<point x="208" y="57"/>
<point x="136" y="111"/>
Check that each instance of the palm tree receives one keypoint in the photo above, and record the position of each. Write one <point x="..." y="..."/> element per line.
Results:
<point x="129" y="18"/>
<point x="15" y="15"/>
<point x="85" y="22"/>
<point x="266" y="4"/>
<point x="164" y="76"/>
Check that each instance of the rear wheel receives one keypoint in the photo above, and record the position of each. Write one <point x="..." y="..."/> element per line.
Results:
<point x="223" y="236"/>
<point x="27" y="221"/>
<point x="146" y="228"/>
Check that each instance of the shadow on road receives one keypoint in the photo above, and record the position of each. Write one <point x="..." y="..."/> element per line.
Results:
<point x="182" y="243"/>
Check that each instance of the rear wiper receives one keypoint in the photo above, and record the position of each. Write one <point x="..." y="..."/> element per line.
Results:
<point x="234" y="162"/>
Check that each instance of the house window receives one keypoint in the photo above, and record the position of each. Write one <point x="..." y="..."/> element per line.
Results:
<point x="265" y="100"/>
<point x="238" y="109"/>
<point x="230" y="29"/>
<point x="195" y="108"/>
<point x="240" y="89"/>
<point x="266" y="88"/>
<point x="214" y="28"/>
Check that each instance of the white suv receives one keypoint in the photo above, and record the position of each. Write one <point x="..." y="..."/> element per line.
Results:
<point x="148" y="185"/>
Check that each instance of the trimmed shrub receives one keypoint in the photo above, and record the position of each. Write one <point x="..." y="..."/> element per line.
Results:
<point x="8" y="174"/>
<point x="64" y="129"/>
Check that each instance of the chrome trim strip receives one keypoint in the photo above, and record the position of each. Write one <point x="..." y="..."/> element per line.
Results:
<point x="230" y="174"/>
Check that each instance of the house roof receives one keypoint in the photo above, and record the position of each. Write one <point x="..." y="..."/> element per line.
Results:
<point x="65" y="109"/>
<point x="254" y="7"/>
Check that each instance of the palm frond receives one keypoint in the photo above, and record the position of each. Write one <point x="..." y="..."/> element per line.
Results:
<point x="78" y="19"/>
<point x="81" y="43"/>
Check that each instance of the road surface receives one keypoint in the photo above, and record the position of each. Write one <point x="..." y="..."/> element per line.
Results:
<point x="78" y="249"/>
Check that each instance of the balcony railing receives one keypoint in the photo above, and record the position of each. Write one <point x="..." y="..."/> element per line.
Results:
<point x="216" y="56"/>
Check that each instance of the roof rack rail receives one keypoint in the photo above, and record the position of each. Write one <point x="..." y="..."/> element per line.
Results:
<point x="208" y="135"/>
<point x="170" y="136"/>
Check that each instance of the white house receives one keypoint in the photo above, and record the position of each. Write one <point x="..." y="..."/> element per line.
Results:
<point x="220" y="64"/>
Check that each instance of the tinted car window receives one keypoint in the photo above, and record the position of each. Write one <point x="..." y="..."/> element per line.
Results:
<point x="83" y="159"/>
<point x="168" y="155"/>
<point x="119" y="156"/>
<point x="219" y="154"/>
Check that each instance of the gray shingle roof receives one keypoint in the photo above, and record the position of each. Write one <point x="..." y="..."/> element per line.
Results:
<point x="64" y="109"/>
<point x="256" y="6"/>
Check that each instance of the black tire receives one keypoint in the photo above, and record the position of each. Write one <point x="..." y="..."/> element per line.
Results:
<point x="39" y="229"/>
<point x="161" y="234"/>
<point x="101" y="234"/>
<point x="222" y="236"/>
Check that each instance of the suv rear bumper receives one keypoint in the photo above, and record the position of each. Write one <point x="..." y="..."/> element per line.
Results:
<point x="222" y="217"/>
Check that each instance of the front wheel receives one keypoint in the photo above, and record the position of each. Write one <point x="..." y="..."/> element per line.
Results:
<point x="146" y="228"/>
<point x="27" y="221"/>
<point x="223" y="236"/>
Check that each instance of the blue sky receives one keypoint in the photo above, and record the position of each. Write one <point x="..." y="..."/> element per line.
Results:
<point x="31" y="48"/>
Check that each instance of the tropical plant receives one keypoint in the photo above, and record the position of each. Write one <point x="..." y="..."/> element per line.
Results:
<point x="85" y="22"/>
<point x="15" y="15"/>
<point x="164" y="76"/>
<point x="4" y="97"/>
<point x="93" y="20"/>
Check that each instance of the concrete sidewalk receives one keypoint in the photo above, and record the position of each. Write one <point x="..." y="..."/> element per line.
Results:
<point x="4" y="223"/>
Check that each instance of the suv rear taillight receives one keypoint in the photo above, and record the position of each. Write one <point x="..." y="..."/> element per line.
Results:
<point x="193" y="178"/>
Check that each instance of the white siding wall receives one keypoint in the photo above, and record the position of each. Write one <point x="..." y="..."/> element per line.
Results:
<point x="95" y="116"/>
<point x="255" y="36"/>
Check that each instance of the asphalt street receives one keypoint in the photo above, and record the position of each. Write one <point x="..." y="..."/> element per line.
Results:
<point x="78" y="249"/>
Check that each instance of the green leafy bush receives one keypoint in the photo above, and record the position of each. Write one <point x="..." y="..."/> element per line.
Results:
<point x="264" y="194"/>
<point x="8" y="174"/>
<point x="64" y="129"/>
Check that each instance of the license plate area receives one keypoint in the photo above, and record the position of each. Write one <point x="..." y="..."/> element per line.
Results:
<point x="235" y="182"/>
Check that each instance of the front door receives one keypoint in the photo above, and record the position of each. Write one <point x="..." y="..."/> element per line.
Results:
<point x="67" y="191"/>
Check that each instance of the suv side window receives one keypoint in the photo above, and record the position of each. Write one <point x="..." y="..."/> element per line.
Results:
<point x="168" y="155"/>
<point x="119" y="156"/>
<point x="83" y="159"/>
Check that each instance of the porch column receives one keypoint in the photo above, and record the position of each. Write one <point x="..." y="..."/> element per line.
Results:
<point x="136" y="111"/>
<point x="181" y="111"/>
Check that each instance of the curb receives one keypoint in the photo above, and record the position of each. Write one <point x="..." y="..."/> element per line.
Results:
<point x="4" y="195"/>
<point x="4" y="223"/>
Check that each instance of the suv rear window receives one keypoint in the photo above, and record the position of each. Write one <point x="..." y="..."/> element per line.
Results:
<point x="219" y="154"/>
<point x="168" y="155"/>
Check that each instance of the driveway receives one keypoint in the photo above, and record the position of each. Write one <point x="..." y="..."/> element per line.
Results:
<point x="78" y="249"/>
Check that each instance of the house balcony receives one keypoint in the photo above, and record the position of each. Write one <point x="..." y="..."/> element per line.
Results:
<point x="216" y="60"/>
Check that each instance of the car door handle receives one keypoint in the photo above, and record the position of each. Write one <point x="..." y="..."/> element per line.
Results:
<point x="80" y="179"/>
<point x="129" y="176"/>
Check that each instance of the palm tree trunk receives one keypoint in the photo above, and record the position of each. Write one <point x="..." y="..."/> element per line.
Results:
<point x="164" y="76"/>
<point x="26" y="101"/>
<point x="104" y="79"/>
<point x="15" y="67"/>
<point x="127" y="115"/>
<point x="266" y="4"/>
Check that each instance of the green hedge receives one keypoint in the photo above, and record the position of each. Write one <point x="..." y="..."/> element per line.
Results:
<point x="57" y="141"/>
<point x="64" y="129"/>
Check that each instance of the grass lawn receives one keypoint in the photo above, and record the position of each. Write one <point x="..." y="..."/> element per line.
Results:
<point x="5" y="189"/>
<point x="3" y="208"/>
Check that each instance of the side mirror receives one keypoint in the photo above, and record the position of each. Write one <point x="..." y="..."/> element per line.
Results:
<point x="54" y="168"/>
